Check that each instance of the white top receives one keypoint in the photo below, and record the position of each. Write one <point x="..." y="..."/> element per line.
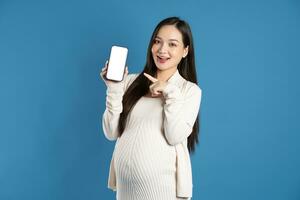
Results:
<point x="154" y="141"/>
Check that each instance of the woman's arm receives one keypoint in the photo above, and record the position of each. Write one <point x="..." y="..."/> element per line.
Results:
<point x="112" y="112"/>
<point x="114" y="107"/>
<point x="180" y="111"/>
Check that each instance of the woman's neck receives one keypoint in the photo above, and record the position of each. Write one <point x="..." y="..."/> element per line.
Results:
<point x="164" y="75"/>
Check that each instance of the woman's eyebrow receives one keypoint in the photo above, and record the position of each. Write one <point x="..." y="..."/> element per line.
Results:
<point x="169" y="39"/>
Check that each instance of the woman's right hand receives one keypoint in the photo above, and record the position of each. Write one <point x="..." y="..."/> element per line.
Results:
<point x="110" y="83"/>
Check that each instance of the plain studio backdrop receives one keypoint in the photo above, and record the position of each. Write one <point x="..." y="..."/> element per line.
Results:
<point x="52" y="146"/>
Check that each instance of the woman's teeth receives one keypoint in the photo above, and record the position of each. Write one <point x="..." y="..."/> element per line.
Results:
<point x="162" y="60"/>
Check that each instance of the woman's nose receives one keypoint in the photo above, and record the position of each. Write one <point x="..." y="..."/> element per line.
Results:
<point x="162" y="48"/>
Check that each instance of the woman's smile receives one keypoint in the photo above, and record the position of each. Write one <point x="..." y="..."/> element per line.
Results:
<point x="162" y="60"/>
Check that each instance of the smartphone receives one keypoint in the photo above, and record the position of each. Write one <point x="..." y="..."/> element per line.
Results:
<point x="116" y="63"/>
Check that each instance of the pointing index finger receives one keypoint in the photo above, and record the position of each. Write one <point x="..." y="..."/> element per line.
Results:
<point x="151" y="78"/>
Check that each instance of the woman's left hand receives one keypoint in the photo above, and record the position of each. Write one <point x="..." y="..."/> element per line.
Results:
<point x="157" y="86"/>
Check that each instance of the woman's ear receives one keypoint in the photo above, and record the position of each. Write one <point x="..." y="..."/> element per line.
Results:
<point x="185" y="51"/>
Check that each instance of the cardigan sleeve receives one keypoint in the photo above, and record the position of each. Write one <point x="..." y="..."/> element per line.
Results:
<point x="180" y="111"/>
<point x="114" y="107"/>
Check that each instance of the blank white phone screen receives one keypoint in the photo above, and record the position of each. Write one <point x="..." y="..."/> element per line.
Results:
<point x="117" y="62"/>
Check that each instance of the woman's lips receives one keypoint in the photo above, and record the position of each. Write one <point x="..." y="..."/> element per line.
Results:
<point x="162" y="59"/>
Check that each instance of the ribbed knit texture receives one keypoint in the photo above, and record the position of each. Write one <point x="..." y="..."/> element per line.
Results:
<point x="145" y="162"/>
<point x="145" y="154"/>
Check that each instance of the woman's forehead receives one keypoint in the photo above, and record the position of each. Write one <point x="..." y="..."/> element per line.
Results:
<point x="169" y="32"/>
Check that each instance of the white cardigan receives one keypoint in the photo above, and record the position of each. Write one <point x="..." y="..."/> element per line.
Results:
<point x="182" y="104"/>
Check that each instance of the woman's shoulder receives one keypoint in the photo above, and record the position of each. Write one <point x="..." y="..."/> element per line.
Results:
<point x="130" y="78"/>
<point x="192" y="87"/>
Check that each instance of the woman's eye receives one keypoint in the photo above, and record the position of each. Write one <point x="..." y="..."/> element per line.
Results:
<point x="173" y="45"/>
<point x="156" y="41"/>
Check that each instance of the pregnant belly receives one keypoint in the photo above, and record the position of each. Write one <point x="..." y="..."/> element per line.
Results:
<point x="143" y="156"/>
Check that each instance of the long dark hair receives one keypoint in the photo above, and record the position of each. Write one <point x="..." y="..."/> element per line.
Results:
<point x="140" y="86"/>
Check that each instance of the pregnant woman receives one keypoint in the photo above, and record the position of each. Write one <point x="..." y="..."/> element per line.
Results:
<point x="153" y="116"/>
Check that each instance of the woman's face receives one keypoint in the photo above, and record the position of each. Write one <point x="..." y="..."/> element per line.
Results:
<point x="168" y="48"/>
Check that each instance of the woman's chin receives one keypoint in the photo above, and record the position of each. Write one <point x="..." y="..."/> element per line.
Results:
<point x="163" y="68"/>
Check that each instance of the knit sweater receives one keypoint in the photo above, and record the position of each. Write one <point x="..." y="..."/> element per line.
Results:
<point x="151" y="158"/>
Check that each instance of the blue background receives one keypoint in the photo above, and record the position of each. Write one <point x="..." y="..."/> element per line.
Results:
<point x="52" y="99"/>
